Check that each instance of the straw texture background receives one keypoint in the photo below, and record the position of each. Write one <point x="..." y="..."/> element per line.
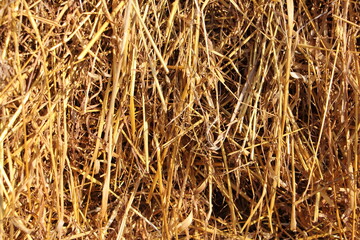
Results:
<point x="169" y="119"/>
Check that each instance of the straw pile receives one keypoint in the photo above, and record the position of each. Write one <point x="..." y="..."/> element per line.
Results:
<point x="178" y="119"/>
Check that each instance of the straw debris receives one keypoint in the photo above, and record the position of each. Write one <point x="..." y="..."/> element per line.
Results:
<point x="179" y="119"/>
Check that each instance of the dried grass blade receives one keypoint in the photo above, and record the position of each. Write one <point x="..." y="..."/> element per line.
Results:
<point x="146" y="145"/>
<point x="186" y="223"/>
<point x="137" y="11"/>
<point x="132" y="90"/>
<point x="99" y="32"/>
<point x="170" y="22"/>
<point x="122" y="223"/>
<point x="36" y="29"/>
<point x="14" y="117"/>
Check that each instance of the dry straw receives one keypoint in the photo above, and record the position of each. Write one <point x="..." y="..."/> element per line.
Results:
<point x="169" y="119"/>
